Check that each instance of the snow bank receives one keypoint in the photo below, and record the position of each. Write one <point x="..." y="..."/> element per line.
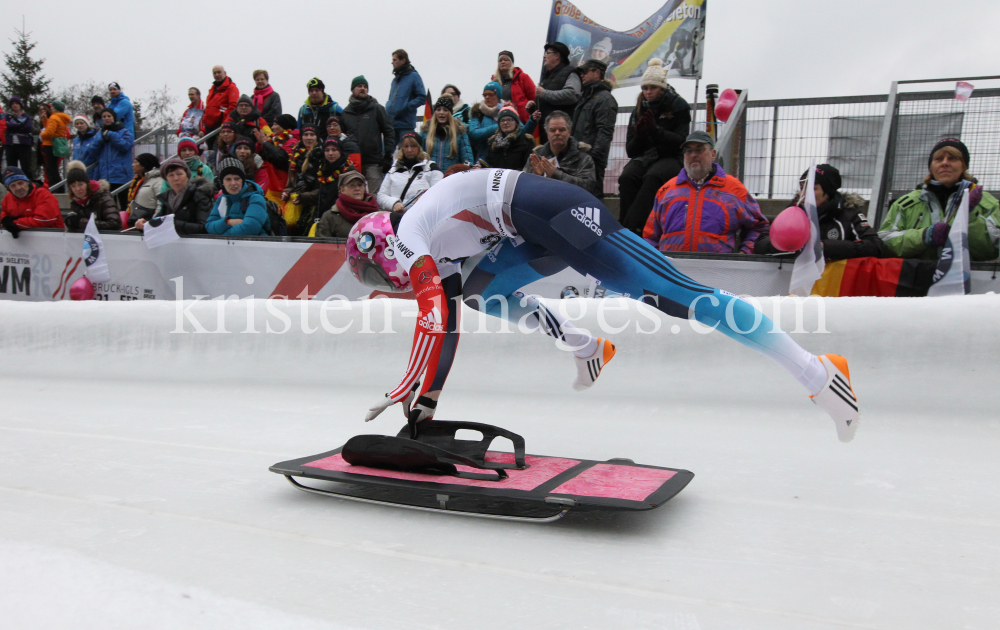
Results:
<point x="134" y="489"/>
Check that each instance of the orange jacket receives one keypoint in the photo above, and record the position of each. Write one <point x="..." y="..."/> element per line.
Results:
<point x="57" y="126"/>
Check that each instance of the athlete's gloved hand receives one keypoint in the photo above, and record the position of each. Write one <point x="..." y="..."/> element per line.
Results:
<point x="936" y="235"/>
<point x="424" y="409"/>
<point x="378" y="408"/>
<point x="386" y="402"/>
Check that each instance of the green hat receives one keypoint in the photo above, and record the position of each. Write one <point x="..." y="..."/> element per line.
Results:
<point x="359" y="80"/>
<point x="59" y="106"/>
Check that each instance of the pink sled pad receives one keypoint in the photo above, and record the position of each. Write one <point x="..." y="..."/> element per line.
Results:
<point x="602" y="480"/>
<point x="616" y="482"/>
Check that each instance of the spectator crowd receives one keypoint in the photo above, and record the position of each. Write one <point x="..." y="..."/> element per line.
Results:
<point x="246" y="167"/>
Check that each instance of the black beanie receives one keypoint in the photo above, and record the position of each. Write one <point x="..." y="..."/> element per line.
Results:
<point x="231" y="166"/>
<point x="828" y="178"/>
<point x="506" y="52"/>
<point x="148" y="161"/>
<point x="242" y="140"/>
<point x="287" y="122"/>
<point x="95" y="100"/>
<point x="315" y="82"/>
<point x="950" y="142"/>
<point x="444" y="101"/>
<point x="77" y="175"/>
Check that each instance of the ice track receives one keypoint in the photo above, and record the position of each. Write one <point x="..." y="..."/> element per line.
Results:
<point x="134" y="489"/>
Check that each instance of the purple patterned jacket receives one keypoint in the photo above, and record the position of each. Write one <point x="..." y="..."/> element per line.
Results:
<point x="720" y="217"/>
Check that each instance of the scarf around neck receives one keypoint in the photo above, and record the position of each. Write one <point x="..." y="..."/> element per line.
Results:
<point x="133" y="189"/>
<point x="329" y="173"/>
<point x="174" y="199"/>
<point x="259" y="96"/>
<point x="353" y="209"/>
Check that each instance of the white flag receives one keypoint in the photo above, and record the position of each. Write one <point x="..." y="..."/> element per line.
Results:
<point x="963" y="91"/>
<point x="160" y="234"/>
<point x="94" y="254"/>
<point x="809" y="264"/>
<point x="953" y="269"/>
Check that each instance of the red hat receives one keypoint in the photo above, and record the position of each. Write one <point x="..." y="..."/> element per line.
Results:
<point x="186" y="142"/>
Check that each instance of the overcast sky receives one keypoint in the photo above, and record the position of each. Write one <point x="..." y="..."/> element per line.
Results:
<point x="774" y="48"/>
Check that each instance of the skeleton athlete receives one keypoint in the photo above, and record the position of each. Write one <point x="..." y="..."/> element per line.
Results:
<point x="534" y="227"/>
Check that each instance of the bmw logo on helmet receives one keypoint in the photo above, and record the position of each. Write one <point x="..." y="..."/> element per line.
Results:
<point x="366" y="242"/>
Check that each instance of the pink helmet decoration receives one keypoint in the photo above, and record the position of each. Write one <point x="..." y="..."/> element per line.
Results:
<point x="371" y="257"/>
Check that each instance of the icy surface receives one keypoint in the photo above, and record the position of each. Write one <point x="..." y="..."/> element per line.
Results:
<point x="134" y="489"/>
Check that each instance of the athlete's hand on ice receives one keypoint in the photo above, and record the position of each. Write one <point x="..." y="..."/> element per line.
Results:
<point x="378" y="408"/>
<point x="386" y="402"/>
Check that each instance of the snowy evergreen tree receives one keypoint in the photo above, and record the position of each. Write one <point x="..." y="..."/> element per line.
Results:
<point x="137" y="112"/>
<point x="24" y="77"/>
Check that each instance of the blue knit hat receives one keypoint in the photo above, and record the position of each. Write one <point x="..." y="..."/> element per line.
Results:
<point x="495" y="87"/>
<point x="13" y="174"/>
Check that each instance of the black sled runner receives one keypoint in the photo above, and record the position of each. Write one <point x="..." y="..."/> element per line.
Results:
<point x="425" y="467"/>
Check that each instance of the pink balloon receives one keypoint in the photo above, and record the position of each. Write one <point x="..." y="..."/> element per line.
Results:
<point x="82" y="289"/>
<point x="724" y="106"/>
<point x="790" y="229"/>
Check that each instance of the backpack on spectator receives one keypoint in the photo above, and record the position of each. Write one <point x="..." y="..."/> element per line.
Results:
<point x="278" y="226"/>
<point x="275" y="221"/>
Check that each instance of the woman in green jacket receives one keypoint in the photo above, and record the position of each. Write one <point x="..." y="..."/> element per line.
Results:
<point x="918" y="223"/>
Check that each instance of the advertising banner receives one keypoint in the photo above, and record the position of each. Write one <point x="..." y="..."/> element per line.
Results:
<point x="675" y="34"/>
<point x="41" y="265"/>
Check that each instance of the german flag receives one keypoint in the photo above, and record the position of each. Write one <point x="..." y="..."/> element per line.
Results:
<point x="878" y="277"/>
<point x="428" y="106"/>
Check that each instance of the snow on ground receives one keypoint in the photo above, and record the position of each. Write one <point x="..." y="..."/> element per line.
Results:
<point x="134" y="489"/>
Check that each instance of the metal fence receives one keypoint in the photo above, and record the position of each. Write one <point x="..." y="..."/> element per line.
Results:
<point x="917" y="120"/>
<point x="783" y="137"/>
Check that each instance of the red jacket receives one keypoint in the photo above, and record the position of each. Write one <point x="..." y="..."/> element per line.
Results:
<point x="221" y="100"/>
<point x="522" y="90"/>
<point x="278" y="177"/>
<point x="38" y="210"/>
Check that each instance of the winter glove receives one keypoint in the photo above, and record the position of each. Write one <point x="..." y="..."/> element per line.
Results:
<point x="386" y="402"/>
<point x="975" y="196"/>
<point x="936" y="235"/>
<point x="72" y="221"/>
<point x="646" y="123"/>
<point x="423" y="410"/>
<point x="379" y="407"/>
<point x="387" y="164"/>
<point x="9" y="225"/>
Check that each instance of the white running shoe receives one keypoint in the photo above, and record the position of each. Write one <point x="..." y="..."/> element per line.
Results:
<point x="837" y="397"/>
<point x="587" y="370"/>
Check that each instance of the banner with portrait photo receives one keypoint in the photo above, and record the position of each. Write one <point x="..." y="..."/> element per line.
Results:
<point x="675" y="34"/>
